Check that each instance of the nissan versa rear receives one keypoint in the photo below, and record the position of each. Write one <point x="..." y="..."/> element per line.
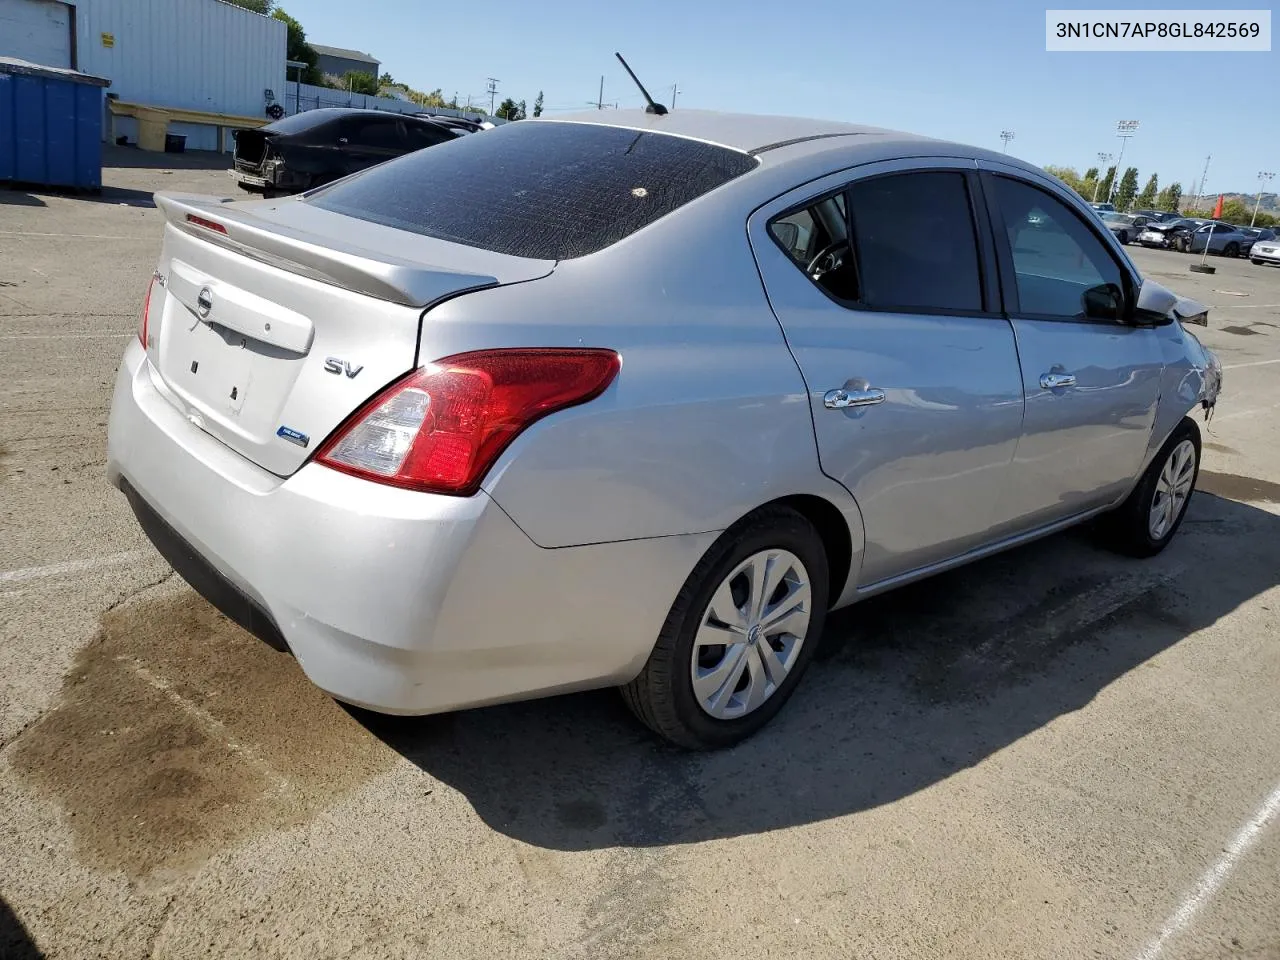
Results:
<point x="576" y="403"/>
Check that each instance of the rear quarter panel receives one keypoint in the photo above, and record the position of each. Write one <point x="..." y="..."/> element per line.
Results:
<point x="708" y="417"/>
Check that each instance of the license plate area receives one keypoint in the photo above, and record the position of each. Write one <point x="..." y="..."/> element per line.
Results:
<point x="213" y="366"/>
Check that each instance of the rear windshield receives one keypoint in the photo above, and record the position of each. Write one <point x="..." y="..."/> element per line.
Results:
<point x="544" y="190"/>
<point x="306" y="120"/>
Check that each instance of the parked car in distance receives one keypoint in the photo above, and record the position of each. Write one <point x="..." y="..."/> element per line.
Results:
<point x="1225" y="239"/>
<point x="1265" y="251"/>
<point x="1252" y="235"/>
<point x="317" y="146"/>
<point x="516" y="415"/>
<point x="1157" y="216"/>
<point x="1125" y="226"/>
<point x="460" y="124"/>
<point x="1170" y="234"/>
<point x="1104" y="207"/>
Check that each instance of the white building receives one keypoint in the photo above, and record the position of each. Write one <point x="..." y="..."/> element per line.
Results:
<point x="196" y="54"/>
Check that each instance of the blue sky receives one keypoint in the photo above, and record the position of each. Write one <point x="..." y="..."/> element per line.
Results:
<point x="957" y="71"/>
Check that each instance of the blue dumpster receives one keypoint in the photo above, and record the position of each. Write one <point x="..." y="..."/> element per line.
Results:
<point x="50" y="125"/>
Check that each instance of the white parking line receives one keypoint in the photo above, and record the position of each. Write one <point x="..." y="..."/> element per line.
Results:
<point x="64" y="336"/>
<point x="1215" y="876"/>
<point x="1254" y="363"/>
<point x="211" y="724"/>
<point x="68" y="236"/>
<point x="71" y="566"/>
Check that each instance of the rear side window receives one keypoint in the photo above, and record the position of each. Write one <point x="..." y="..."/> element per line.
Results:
<point x="915" y="242"/>
<point x="544" y="190"/>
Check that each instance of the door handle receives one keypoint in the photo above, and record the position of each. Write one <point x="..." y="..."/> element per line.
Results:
<point x="844" y="397"/>
<point x="1052" y="381"/>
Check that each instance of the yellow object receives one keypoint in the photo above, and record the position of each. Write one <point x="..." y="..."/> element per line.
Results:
<point x="153" y="121"/>
<point x="108" y="39"/>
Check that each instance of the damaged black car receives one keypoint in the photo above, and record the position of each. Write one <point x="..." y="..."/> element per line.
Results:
<point x="316" y="147"/>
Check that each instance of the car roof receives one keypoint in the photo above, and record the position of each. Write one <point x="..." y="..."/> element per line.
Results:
<point x="809" y="145"/>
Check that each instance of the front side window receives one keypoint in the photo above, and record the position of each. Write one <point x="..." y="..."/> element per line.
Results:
<point x="1055" y="260"/>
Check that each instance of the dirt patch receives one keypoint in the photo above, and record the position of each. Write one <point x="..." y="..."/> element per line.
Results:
<point x="177" y="735"/>
<point x="1241" y="331"/>
<point x="1233" y="487"/>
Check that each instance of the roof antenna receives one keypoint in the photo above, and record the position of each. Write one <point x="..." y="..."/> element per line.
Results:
<point x="654" y="106"/>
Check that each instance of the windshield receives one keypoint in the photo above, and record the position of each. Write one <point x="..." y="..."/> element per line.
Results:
<point x="539" y="189"/>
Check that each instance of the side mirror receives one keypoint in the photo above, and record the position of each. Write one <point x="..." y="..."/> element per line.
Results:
<point x="1104" y="302"/>
<point x="1154" y="305"/>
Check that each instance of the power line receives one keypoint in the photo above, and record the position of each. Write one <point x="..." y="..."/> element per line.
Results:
<point x="492" y="90"/>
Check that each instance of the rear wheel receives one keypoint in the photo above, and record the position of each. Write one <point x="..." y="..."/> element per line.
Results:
<point x="1231" y="250"/>
<point x="1124" y="237"/>
<point x="1145" y="523"/>
<point x="739" y="635"/>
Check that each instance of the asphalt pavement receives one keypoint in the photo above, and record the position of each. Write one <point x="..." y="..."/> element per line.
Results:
<point x="1058" y="752"/>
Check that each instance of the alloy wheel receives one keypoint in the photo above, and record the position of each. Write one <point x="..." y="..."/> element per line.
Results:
<point x="1172" y="489"/>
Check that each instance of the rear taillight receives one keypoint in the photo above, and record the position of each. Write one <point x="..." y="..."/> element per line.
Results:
<point x="146" y="310"/>
<point x="441" y="428"/>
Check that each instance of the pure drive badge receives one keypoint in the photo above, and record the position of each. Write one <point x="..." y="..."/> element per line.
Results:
<point x="293" y="436"/>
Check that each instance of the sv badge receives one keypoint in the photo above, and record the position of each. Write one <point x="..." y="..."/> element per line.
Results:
<point x="334" y="365"/>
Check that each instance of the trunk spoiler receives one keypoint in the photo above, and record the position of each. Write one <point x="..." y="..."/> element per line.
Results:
<point x="320" y="256"/>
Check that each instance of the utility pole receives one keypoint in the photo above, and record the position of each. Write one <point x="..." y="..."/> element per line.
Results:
<point x="1203" y="177"/>
<point x="1006" y="136"/>
<point x="600" y="98"/>
<point x="674" y="91"/>
<point x="1124" y="130"/>
<point x="492" y="90"/>
<point x="1264" y="177"/>
<point x="1105" y="160"/>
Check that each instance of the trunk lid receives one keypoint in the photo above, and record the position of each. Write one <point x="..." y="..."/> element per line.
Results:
<point x="272" y="321"/>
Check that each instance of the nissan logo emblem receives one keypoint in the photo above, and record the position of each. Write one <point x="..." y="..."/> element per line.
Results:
<point x="204" y="302"/>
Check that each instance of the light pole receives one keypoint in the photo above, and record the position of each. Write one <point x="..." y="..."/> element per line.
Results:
<point x="1006" y="136"/>
<point x="1124" y="130"/>
<point x="1264" y="177"/>
<point x="1104" y="159"/>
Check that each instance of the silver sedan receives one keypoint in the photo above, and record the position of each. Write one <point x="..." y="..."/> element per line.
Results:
<point x="628" y="399"/>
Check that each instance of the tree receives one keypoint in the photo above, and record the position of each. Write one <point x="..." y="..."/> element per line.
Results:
<point x="257" y="6"/>
<point x="1236" y="211"/>
<point x="537" y="105"/>
<point x="1128" y="189"/>
<point x="1147" y="198"/>
<point x="510" y="110"/>
<point x="386" y="80"/>
<point x="357" y="81"/>
<point x="297" y="48"/>
<point x="1091" y="173"/>
<point x="1104" y="189"/>
<point x="1068" y="176"/>
<point x="1172" y="195"/>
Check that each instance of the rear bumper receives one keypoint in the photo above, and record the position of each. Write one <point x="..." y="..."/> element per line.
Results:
<point x="397" y="601"/>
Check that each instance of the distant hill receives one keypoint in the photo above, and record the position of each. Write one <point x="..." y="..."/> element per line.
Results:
<point x="1270" y="201"/>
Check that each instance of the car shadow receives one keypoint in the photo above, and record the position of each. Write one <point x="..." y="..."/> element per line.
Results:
<point x="15" y="942"/>
<point x="906" y="690"/>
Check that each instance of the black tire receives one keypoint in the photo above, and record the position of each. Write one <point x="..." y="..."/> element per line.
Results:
<point x="1231" y="250"/>
<point x="662" y="696"/>
<point x="1124" y="237"/>
<point x="1256" y="262"/>
<point x="1127" y="527"/>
